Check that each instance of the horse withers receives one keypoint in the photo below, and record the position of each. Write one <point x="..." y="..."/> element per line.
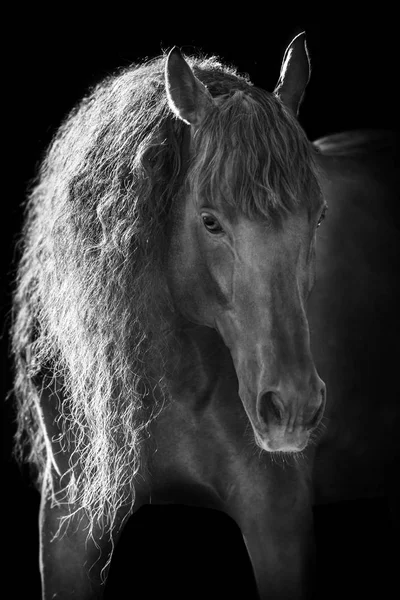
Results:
<point x="161" y="339"/>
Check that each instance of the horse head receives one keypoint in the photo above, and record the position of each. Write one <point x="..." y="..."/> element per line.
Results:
<point x="243" y="243"/>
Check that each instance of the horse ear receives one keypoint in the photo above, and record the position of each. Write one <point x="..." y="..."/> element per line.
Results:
<point x="295" y="74"/>
<point x="187" y="96"/>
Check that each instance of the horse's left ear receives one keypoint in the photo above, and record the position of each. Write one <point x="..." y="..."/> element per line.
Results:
<point x="187" y="96"/>
<point x="294" y="75"/>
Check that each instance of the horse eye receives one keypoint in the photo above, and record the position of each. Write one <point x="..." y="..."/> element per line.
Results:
<point x="211" y="224"/>
<point x="322" y="217"/>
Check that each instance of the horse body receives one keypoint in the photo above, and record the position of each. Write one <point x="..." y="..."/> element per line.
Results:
<point x="228" y="410"/>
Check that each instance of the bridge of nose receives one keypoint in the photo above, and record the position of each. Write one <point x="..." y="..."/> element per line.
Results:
<point x="270" y="341"/>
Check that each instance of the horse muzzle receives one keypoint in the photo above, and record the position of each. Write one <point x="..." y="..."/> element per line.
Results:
<point x="285" y="424"/>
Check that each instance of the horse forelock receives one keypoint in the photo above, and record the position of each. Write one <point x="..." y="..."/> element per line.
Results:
<point x="251" y="155"/>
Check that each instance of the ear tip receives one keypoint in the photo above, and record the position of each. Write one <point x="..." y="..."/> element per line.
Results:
<point x="175" y="52"/>
<point x="301" y="42"/>
<point x="300" y="38"/>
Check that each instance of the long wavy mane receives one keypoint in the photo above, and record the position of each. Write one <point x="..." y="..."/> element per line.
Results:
<point x="92" y="308"/>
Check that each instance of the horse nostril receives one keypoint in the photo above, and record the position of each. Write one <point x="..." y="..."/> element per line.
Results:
<point x="269" y="407"/>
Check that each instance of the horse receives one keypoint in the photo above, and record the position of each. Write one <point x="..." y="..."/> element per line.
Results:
<point x="161" y="340"/>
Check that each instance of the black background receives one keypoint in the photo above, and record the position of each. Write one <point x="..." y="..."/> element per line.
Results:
<point x="48" y="66"/>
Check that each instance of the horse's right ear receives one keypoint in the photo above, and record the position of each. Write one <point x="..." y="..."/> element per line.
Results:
<point x="187" y="96"/>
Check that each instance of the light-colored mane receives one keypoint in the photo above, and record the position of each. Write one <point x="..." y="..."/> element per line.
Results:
<point x="92" y="308"/>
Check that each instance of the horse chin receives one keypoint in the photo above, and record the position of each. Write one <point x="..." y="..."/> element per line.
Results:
<point x="289" y="444"/>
